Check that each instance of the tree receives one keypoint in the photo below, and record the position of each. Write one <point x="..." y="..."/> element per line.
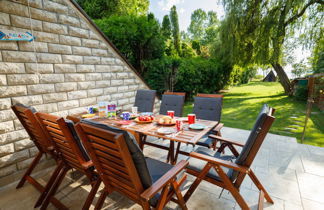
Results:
<point x="137" y="37"/>
<point x="175" y="28"/>
<point x="166" y="27"/>
<point x="105" y="8"/>
<point x="198" y="25"/>
<point x="256" y="31"/>
<point x="299" y="69"/>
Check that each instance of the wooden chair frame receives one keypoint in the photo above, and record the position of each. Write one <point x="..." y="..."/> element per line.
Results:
<point x="43" y="144"/>
<point x="217" y="129"/>
<point x="117" y="170"/>
<point x="217" y="164"/>
<point x="70" y="155"/>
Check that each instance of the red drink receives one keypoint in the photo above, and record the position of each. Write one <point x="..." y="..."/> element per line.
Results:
<point x="191" y="118"/>
<point x="179" y="125"/>
<point x="171" y="114"/>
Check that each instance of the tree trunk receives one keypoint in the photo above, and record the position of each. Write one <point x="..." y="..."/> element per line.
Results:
<point x="283" y="78"/>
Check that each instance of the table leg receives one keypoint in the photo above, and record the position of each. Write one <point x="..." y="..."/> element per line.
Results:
<point x="177" y="153"/>
<point x="140" y="138"/>
<point x="171" y="152"/>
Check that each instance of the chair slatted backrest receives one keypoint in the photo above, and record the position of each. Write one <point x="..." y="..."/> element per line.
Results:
<point x="173" y="101"/>
<point x="254" y="141"/>
<point x="28" y="120"/>
<point x="111" y="156"/>
<point x="63" y="139"/>
<point x="208" y="106"/>
<point x="144" y="100"/>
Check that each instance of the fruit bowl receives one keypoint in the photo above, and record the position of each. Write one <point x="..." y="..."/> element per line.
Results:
<point x="144" y="119"/>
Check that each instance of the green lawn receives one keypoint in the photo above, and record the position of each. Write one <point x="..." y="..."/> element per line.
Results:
<point x="242" y="104"/>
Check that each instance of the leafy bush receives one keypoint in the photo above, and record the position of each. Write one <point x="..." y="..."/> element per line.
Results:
<point x="190" y="75"/>
<point x="301" y="93"/>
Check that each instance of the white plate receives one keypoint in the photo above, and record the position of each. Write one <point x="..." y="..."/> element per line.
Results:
<point x="166" y="131"/>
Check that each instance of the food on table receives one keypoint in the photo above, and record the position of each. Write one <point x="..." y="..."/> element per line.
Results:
<point x="167" y="120"/>
<point x="88" y="115"/>
<point x="144" y="119"/>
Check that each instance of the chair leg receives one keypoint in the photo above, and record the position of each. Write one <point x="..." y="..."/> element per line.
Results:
<point x="176" y="188"/>
<point x="230" y="187"/>
<point x="260" y="187"/>
<point x="197" y="181"/>
<point x="101" y="199"/>
<point x="30" y="169"/>
<point x="54" y="188"/>
<point x="92" y="194"/>
<point x="49" y="184"/>
<point x="163" y="198"/>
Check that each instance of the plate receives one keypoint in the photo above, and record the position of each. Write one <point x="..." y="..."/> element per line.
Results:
<point x="165" y="131"/>
<point x="142" y="122"/>
<point x="146" y="113"/>
<point x="197" y="126"/>
<point x="123" y="122"/>
<point x="183" y="119"/>
<point x="88" y="115"/>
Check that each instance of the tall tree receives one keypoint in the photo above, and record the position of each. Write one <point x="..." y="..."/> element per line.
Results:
<point x="256" y="31"/>
<point x="105" y="8"/>
<point x="198" y="24"/>
<point x="137" y="37"/>
<point x="175" y="28"/>
<point x="166" y="27"/>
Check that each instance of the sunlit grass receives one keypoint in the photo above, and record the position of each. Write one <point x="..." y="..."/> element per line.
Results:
<point x="242" y="104"/>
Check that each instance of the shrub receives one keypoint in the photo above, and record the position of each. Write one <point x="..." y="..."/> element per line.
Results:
<point x="301" y="93"/>
<point x="190" y="75"/>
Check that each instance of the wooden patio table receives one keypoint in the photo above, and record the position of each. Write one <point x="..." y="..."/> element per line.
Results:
<point x="140" y="131"/>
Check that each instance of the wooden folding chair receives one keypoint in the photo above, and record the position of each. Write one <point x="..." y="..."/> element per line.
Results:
<point x="73" y="156"/>
<point x="123" y="168"/>
<point x="25" y="115"/>
<point x="220" y="169"/>
<point x="209" y="107"/>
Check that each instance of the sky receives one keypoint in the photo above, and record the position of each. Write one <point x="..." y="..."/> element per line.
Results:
<point x="184" y="7"/>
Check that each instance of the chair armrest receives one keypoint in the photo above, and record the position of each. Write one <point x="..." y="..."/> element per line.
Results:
<point x="218" y="127"/>
<point x="218" y="161"/>
<point x="87" y="164"/>
<point x="226" y="140"/>
<point x="164" y="180"/>
<point x="75" y="120"/>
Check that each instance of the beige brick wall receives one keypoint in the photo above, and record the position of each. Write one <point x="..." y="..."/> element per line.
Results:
<point x="69" y="67"/>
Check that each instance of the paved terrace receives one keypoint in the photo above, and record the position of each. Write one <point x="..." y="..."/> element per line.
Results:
<point x="292" y="173"/>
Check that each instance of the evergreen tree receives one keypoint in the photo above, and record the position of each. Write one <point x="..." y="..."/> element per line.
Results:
<point x="166" y="27"/>
<point x="175" y="28"/>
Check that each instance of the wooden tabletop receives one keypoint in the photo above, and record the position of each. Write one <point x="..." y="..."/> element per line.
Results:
<point x="187" y="135"/>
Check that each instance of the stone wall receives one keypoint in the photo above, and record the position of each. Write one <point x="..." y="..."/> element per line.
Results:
<point x="69" y="67"/>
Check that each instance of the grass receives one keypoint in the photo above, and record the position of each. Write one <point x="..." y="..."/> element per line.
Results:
<point x="242" y="104"/>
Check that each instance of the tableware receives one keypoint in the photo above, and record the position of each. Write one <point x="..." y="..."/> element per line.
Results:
<point x="90" y="110"/>
<point x="134" y="110"/>
<point x="171" y="113"/>
<point x="166" y="131"/>
<point x="183" y="119"/>
<point x="142" y="122"/>
<point x="123" y="122"/>
<point x="197" y="126"/>
<point x="179" y="125"/>
<point x="191" y="118"/>
<point x="125" y="115"/>
<point x="88" y="115"/>
<point x="146" y="113"/>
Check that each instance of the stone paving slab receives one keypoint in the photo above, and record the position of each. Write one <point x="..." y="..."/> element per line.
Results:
<point x="292" y="173"/>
